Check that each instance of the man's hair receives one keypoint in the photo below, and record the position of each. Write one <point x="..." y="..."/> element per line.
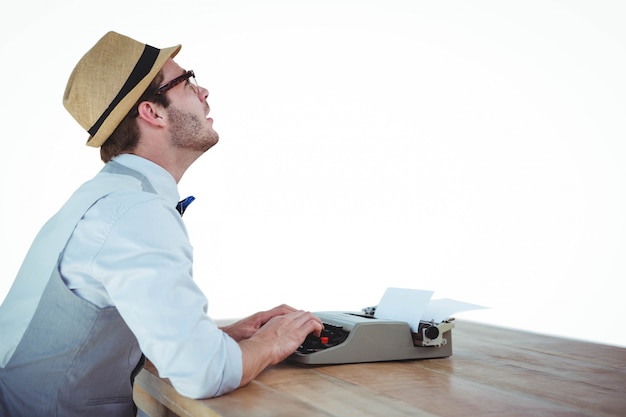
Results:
<point x="126" y="135"/>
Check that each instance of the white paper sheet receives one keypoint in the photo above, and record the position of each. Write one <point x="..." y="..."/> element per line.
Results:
<point x="444" y="308"/>
<point x="403" y="304"/>
<point x="411" y="306"/>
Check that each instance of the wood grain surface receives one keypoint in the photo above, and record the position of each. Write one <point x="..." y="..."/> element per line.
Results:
<point x="492" y="372"/>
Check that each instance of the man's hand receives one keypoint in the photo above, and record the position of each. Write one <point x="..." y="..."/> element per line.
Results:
<point x="246" y="328"/>
<point x="276" y="340"/>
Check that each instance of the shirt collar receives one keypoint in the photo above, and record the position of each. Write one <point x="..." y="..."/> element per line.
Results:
<point x="163" y="182"/>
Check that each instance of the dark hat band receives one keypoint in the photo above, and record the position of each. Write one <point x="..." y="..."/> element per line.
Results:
<point x="142" y="68"/>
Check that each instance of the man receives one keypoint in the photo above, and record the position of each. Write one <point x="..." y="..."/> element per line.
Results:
<point x="109" y="277"/>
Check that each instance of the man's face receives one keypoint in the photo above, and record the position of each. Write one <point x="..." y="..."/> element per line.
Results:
<point x="189" y="126"/>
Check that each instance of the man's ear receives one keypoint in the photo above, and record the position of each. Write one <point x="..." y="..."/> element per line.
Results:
<point x="149" y="112"/>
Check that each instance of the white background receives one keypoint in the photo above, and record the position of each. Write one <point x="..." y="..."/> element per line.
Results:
<point x="473" y="148"/>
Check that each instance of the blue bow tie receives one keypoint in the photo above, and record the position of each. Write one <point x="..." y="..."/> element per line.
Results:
<point x="183" y="204"/>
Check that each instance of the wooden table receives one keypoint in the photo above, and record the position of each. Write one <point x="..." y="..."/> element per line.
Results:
<point x="492" y="372"/>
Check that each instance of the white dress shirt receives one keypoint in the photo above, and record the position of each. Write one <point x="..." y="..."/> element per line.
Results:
<point x="131" y="250"/>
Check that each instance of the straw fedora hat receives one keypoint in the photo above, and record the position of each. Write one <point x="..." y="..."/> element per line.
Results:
<point x="108" y="80"/>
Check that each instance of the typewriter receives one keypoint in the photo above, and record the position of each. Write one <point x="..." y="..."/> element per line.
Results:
<point x="354" y="337"/>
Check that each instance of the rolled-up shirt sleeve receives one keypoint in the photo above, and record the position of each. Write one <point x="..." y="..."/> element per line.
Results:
<point x="145" y="264"/>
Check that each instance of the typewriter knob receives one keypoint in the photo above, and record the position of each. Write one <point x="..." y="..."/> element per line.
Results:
<point x="431" y="332"/>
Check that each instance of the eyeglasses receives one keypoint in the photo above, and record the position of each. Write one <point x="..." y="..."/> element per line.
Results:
<point x="188" y="76"/>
